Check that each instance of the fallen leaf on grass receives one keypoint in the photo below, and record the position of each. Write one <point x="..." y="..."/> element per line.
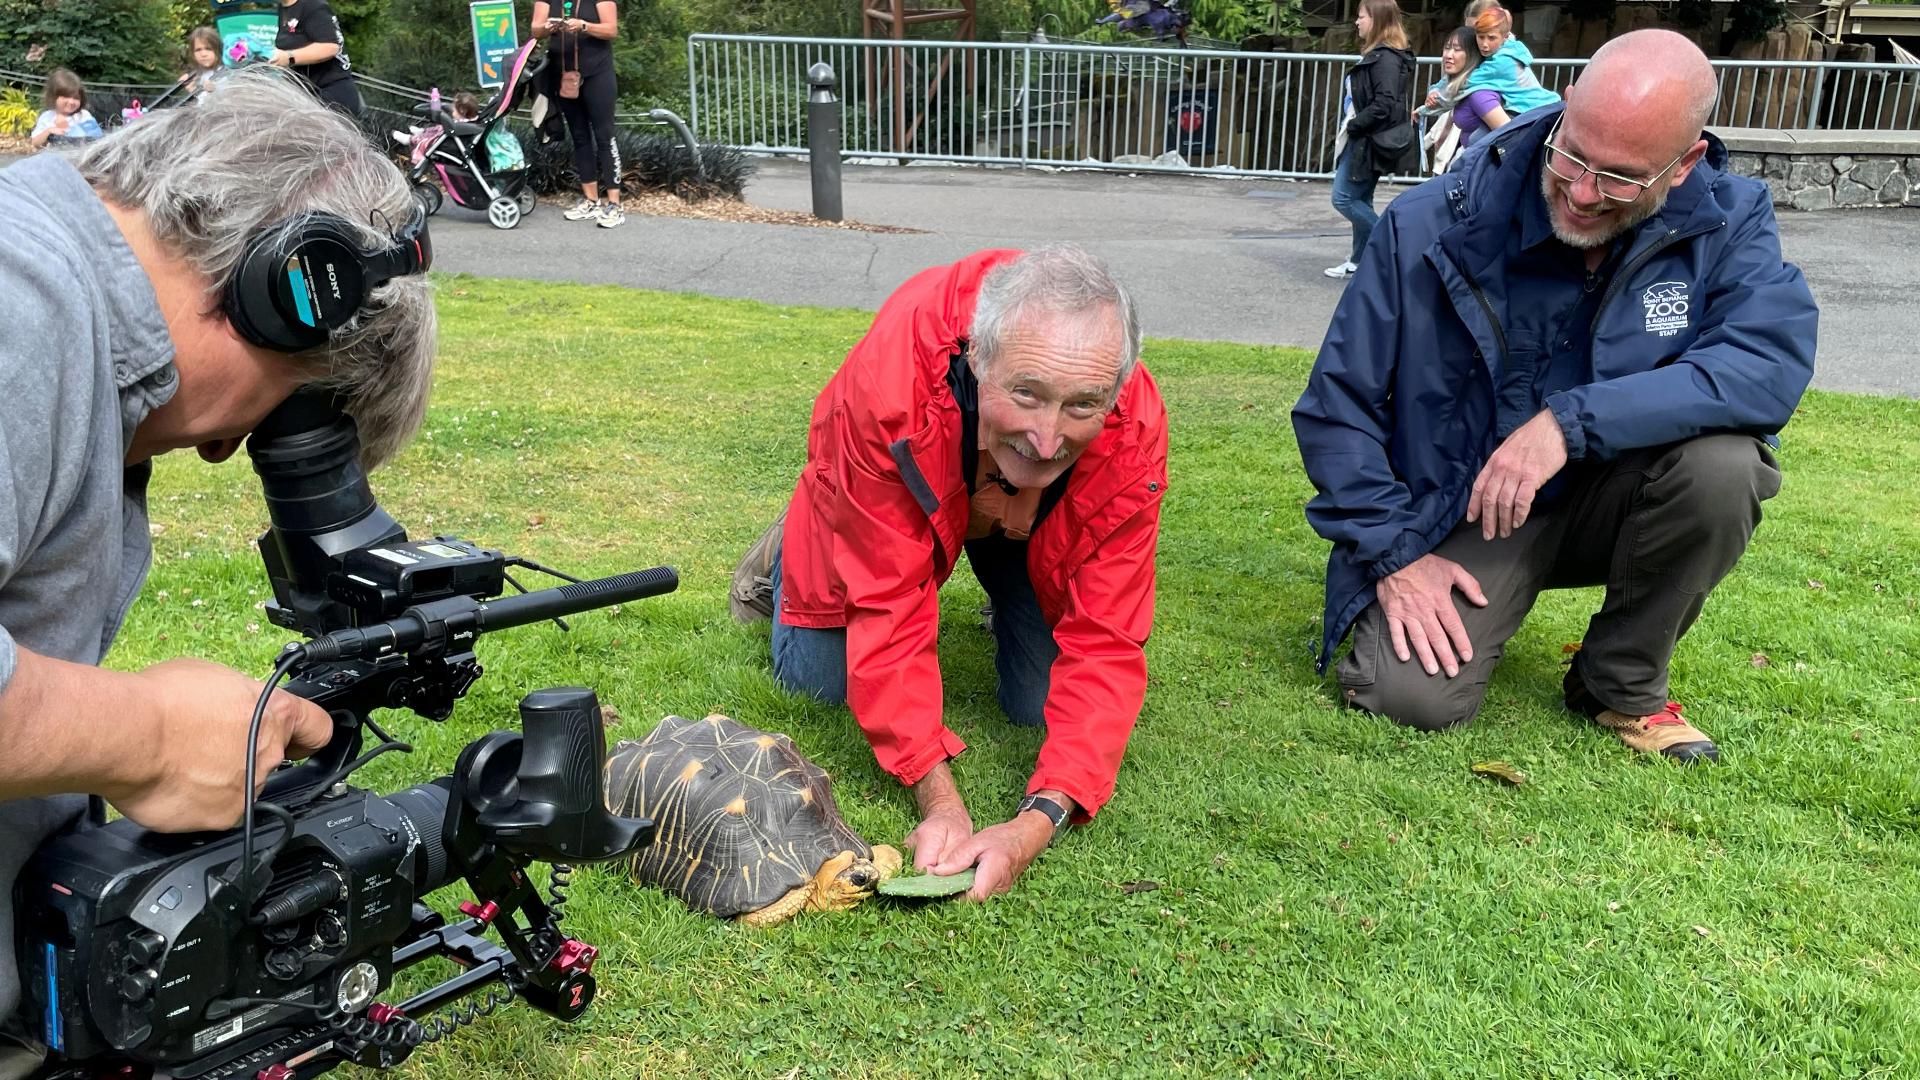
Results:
<point x="536" y="520"/>
<point x="1816" y="583"/>
<point x="1760" y="660"/>
<point x="1133" y="887"/>
<point x="928" y="885"/>
<point x="1570" y="648"/>
<point x="609" y="716"/>
<point x="1499" y="770"/>
<point x="1701" y="930"/>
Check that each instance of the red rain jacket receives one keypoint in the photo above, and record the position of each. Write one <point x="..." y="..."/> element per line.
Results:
<point x="879" y="515"/>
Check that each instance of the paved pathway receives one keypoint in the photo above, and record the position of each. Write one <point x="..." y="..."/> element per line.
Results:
<point x="1232" y="260"/>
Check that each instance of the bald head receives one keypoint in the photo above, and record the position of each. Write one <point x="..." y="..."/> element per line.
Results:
<point x="1636" y="114"/>
<point x="1655" y="80"/>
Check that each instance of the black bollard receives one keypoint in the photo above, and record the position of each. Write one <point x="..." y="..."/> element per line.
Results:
<point x="823" y="141"/>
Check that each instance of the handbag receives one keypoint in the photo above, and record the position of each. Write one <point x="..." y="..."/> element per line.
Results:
<point x="570" y="80"/>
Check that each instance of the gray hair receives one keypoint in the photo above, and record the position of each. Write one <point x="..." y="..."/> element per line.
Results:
<point x="1061" y="281"/>
<point x="248" y="155"/>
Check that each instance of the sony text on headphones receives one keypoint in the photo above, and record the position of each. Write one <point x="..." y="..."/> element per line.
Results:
<point x="299" y="281"/>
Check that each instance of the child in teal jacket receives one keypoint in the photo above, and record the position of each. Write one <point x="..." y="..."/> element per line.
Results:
<point x="1508" y="67"/>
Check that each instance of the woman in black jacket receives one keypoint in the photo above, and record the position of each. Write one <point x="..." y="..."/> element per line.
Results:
<point x="1377" y="136"/>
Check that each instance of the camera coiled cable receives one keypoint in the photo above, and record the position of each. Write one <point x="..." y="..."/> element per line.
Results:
<point x="558" y="884"/>
<point x="404" y="1032"/>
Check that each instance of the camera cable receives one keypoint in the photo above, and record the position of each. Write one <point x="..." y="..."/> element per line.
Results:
<point x="292" y="655"/>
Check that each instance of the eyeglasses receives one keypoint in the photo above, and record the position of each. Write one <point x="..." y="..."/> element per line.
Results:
<point x="1612" y="186"/>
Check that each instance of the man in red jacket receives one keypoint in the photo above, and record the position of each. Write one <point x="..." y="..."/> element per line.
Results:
<point x="996" y="406"/>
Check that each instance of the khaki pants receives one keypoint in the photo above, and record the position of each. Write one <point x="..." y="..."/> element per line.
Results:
<point x="1658" y="527"/>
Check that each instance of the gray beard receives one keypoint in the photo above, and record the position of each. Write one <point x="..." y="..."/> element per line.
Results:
<point x="1629" y="217"/>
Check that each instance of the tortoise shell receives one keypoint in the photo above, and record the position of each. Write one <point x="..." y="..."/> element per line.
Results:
<point x="740" y="817"/>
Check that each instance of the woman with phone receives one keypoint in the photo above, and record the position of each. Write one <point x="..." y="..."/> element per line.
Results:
<point x="580" y="61"/>
<point x="310" y="45"/>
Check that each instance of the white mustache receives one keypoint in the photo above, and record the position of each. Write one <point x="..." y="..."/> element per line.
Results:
<point x="1031" y="454"/>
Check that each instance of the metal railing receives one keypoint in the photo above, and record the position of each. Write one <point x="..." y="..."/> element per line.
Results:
<point x="1155" y="109"/>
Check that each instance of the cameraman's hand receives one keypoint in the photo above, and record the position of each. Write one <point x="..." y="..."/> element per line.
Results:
<point x="194" y="775"/>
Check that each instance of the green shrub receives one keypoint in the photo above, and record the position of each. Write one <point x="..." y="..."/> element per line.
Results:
<point x="18" y="111"/>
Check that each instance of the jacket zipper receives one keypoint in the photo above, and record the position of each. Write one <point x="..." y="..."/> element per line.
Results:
<point x="1493" y="320"/>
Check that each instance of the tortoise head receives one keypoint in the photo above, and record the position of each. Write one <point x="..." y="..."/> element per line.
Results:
<point x="846" y="879"/>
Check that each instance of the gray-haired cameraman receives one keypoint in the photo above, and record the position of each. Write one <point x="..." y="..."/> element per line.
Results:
<point x="165" y="289"/>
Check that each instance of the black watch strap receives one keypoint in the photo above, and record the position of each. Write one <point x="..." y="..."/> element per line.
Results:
<point x="1054" y="811"/>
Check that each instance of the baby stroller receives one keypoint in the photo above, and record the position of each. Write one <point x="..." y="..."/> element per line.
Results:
<point x="456" y="151"/>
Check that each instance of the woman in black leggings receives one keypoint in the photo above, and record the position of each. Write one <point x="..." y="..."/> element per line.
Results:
<point x="583" y="34"/>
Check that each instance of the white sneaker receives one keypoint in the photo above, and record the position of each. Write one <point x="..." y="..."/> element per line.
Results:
<point x="1343" y="271"/>
<point x="612" y="216"/>
<point x="582" y="210"/>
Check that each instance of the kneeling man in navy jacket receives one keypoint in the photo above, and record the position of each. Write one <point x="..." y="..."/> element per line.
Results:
<point x="1562" y="364"/>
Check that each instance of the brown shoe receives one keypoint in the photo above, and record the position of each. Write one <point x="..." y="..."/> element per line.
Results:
<point x="1665" y="732"/>
<point x="751" y="598"/>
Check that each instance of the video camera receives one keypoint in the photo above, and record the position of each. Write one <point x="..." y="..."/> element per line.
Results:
<point x="259" y="953"/>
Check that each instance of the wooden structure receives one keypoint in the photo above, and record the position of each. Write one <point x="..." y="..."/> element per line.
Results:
<point x="890" y="19"/>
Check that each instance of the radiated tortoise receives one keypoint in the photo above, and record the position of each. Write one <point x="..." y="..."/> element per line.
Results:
<point x="745" y="826"/>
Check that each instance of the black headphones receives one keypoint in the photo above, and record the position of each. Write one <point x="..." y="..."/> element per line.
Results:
<point x="301" y="280"/>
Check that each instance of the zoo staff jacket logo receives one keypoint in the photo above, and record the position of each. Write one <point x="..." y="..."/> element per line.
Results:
<point x="1667" y="306"/>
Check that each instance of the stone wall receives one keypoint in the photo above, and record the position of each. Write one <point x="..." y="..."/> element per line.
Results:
<point x="1827" y="170"/>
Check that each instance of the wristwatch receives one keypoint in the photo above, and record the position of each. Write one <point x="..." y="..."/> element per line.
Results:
<point x="1054" y="811"/>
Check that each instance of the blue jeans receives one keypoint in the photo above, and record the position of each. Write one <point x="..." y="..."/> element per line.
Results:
<point x="1353" y="200"/>
<point x="813" y="661"/>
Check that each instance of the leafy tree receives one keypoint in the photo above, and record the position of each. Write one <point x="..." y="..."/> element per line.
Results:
<point x="101" y="40"/>
<point x="1755" y="19"/>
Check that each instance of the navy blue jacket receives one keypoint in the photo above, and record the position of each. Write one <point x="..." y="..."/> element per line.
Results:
<point x="1702" y="329"/>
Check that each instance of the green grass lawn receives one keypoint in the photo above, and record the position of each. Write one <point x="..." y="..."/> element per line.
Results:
<point x="1336" y="897"/>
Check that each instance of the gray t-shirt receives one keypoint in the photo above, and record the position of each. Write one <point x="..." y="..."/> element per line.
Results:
<point x="84" y="357"/>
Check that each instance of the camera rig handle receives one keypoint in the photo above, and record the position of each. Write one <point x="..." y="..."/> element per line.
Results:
<point x="557" y="812"/>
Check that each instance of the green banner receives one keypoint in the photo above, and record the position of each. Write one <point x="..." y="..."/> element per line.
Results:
<point x="246" y="36"/>
<point x="495" y="39"/>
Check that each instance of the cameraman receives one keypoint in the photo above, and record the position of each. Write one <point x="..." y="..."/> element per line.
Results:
<point x="114" y="266"/>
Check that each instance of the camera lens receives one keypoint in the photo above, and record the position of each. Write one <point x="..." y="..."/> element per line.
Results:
<point x="424" y="807"/>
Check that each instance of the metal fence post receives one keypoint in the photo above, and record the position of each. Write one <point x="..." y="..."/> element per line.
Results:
<point x="1813" y="100"/>
<point x="823" y="141"/>
<point x="1026" y="101"/>
<point x="693" y="83"/>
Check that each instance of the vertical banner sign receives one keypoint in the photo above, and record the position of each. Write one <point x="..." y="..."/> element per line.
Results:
<point x="495" y="39"/>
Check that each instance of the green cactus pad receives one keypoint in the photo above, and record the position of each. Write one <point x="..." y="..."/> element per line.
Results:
<point x="928" y="885"/>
